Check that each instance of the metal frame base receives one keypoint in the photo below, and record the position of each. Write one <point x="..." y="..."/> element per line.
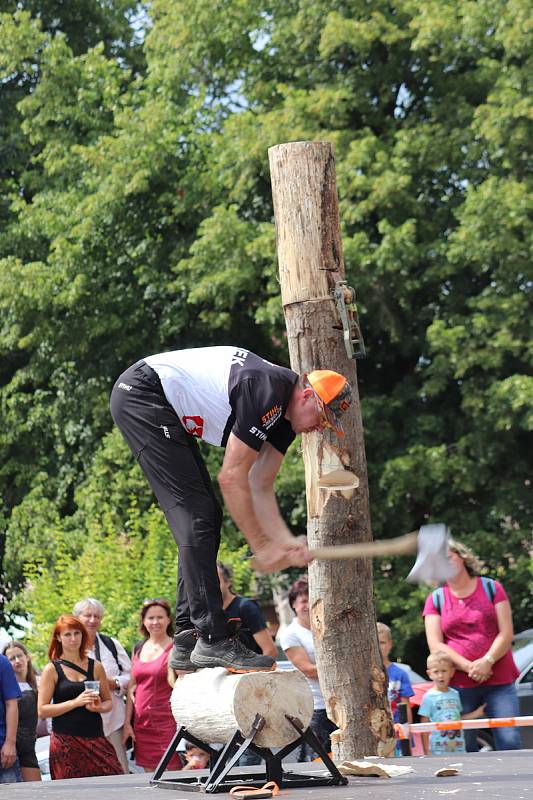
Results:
<point x="222" y="762"/>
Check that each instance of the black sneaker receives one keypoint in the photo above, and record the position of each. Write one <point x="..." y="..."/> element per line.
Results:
<point x="232" y="655"/>
<point x="184" y="643"/>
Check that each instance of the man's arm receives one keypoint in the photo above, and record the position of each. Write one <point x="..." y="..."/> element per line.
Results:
<point x="247" y="484"/>
<point x="8" y="753"/>
<point x="266" y="643"/>
<point x="298" y="656"/>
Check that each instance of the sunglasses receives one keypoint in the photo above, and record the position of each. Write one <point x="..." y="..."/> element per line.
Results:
<point x="157" y="601"/>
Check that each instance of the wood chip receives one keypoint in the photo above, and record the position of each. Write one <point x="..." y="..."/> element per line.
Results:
<point x="446" y="772"/>
<point x="363" y="768"/>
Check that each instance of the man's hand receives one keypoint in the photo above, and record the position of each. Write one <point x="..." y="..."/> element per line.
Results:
<point x="8" y="754"/>
<point x="275" y="556"/>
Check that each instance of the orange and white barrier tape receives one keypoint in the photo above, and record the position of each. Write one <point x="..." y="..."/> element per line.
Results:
<point x="468" y="724"/>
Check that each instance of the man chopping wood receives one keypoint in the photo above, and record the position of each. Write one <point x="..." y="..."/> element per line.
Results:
<point x="228" y="397"/>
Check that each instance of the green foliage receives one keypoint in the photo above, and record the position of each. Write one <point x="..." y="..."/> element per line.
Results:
<point x="136" y="216"/>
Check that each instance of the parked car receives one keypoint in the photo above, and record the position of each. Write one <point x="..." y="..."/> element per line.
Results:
<point x="523" y="656"/>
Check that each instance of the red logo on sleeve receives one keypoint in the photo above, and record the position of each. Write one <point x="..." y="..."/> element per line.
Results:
<point x="193" y="425"/>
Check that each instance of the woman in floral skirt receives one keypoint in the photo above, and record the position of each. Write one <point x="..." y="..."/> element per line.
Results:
<point x="78" y="747"/>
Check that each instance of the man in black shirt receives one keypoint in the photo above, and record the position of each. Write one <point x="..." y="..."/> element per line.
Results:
<point x="229" y="397"/>
<point x="253" y="631"/>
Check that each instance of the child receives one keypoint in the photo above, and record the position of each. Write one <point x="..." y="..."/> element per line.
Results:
<point x="442" y="703"/>
<point x="195" y="757"/>
<point x="399" y="687"/>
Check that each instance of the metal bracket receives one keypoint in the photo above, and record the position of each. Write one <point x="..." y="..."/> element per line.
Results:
<point x="222" y="779"/>
<point x="344" y="297"/>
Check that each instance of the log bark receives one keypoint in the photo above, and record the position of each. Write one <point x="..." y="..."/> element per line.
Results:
<point x="213" y="703"/>
<point x="343" y="621"/>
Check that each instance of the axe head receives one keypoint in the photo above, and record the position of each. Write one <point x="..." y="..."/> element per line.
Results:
<point x="432" y="565"/>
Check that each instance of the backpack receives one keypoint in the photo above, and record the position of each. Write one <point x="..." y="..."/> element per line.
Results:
<point x="111" y="646"/>
<point x="488" y="586"/>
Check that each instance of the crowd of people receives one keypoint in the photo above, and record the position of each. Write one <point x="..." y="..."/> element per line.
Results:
<point x="100" y="702"/>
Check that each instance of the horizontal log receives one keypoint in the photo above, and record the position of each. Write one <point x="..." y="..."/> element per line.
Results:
<point x="213" y="703"/>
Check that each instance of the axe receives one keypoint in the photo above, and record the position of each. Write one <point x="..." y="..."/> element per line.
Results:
<point x="430" y="543"/>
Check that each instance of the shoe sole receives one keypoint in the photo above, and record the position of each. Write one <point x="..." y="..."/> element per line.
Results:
<point x="244" y="671"/>
<point x="235" y="670"/>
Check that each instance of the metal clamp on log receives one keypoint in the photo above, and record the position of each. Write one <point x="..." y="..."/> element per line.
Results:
<point x="344" y="297"/>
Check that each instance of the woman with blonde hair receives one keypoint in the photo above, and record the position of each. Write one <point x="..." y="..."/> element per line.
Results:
<point x="18" y="656"/>
<point x="78" y="747"/>
<point x="470" y="619"/>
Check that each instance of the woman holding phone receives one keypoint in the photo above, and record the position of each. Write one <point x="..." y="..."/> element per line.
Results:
<point x="80" y="693"/>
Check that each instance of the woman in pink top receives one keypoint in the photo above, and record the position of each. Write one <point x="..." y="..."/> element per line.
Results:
<point x="477" y="631"/>
<point x="149" y="721"/>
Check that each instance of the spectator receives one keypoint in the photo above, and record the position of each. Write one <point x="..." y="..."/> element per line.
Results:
<point x="9" y="717"/>
<point x="149" y="721"/>
<point x="78" y="747"/>
<point x="441" y="703"/>
<point x="470" y="619"/>
<point x="195" y="757"/>
<point x="253" y="630"/>
<point x="19" y="658"/>
<point x="297" y="642"/>
<point x="117" y="666"/>
<point x="399" y="688"/>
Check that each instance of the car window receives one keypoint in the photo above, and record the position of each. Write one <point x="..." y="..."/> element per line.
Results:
<point x="523" y="654"/>
<point x="528" y="677"/>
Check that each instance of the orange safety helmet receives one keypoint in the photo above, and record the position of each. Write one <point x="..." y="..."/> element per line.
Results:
<point x="333" y="394"/>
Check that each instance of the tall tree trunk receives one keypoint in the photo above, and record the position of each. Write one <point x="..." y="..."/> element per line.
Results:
<point x="342" y="609"/>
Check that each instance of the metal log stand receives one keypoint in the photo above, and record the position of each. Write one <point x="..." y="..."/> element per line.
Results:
<point x="221" y="762"/>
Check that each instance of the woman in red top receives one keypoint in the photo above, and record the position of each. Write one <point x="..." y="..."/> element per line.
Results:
<point x="149" y="721"/>
<point x="476" y="629"/>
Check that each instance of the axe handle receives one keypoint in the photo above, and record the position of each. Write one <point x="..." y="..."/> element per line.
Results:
<point x="384" y="547"/>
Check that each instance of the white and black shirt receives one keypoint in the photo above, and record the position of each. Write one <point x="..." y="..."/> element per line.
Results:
<point x="216" y="391"/>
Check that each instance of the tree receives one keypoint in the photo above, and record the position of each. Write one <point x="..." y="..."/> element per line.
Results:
<point x="136" y="216"/>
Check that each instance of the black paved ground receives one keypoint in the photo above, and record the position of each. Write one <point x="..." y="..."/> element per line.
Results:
<point x="483" y="776"/>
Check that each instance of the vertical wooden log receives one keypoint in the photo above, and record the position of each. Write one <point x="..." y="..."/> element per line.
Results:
<point x="342" y="608"/>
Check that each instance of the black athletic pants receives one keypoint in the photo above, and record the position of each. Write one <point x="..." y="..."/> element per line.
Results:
<point x="171" y="460"/>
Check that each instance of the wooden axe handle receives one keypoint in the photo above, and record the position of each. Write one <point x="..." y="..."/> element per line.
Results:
<point x="384" y="547"/>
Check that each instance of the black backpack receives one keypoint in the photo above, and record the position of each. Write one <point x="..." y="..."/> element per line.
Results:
<point x="111" y="646"/>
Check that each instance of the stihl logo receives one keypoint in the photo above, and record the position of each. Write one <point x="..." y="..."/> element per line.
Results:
<point x="194" y="426"/>
<point x="271" y="417"/>
<point x="239" y="357"/>
<point x="273" y="412"/>
<point x="258" y="433"/>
